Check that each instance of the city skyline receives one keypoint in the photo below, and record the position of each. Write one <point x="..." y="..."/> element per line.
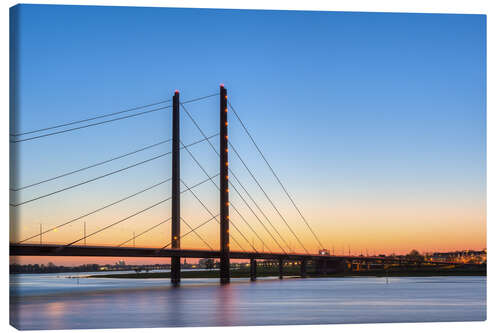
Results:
<point x="380" y="138"/>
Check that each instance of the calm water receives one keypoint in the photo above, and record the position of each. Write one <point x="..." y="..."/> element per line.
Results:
<point x="52" y="301"/>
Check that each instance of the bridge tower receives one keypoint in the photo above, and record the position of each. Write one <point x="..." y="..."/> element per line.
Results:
<point x="175" y="266"/>
<point x="224" y="189"/>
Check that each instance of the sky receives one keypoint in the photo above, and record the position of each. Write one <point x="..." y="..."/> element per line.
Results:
<point x="375" y="123"/>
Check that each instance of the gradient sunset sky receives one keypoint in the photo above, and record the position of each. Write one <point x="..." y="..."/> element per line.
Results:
<point x="375" y="122"/>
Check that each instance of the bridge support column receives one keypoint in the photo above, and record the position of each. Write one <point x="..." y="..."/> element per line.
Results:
<point x="323" y="267"/>
<point x="281" y="268"/>
<point x="175" y="266"/>
<point x="253" y="269"/>
<point x="348" y="265"/>
<point x="175" y="270"/>
<point x="224" y="190"/>
<point x="303" y="264"/>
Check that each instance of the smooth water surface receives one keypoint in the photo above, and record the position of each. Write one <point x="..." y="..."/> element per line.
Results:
<point x="53" y="301"/>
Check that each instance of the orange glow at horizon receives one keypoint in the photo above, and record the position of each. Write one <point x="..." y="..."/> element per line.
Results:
<point x="373" y="225"/>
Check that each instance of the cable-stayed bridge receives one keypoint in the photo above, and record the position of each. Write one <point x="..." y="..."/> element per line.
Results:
<point x="223" y="181"/>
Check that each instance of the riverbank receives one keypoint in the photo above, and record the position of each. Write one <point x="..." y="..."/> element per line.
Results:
<point x="266" y="272"/>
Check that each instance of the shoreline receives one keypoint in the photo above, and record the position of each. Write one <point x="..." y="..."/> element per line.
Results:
<point x="246" y="274"/>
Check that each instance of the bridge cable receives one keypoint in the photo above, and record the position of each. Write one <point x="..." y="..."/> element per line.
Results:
<point x="90" y="125"/>
<point x="192" y="230"/>
<point x="92" y="118"/>
<point x="133" y="215"/>
<point x="242" y="235"/>
<point x="102" y="176"/>
<point x="142" y="233"/>
<point x="106" y="121"/>
<point x="157" y="225"/>
<point x="203" y="240"/>
<point x="258" y="207"/>
<point x="275" y="175"/>
<point x="239" y="182"/>
<point x="234" y="175"/>
<point x="90" y="166"/>
<point x="206" y="173"/>
<point x="258" y="219"/>
<point x="272" y="203"/>
<point x="96" y="210"/>
<point x="210" y="212"/>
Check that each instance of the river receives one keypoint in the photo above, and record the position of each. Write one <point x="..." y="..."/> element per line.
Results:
<point x="53" y="301"/>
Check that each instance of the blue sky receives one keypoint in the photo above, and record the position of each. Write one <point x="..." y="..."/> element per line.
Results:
<point x="354" y="110"/>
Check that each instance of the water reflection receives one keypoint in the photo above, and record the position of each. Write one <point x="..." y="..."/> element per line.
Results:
<point x="55" y="312"/>
<point x="225" y="300"/>
<point x="44" y="302"/>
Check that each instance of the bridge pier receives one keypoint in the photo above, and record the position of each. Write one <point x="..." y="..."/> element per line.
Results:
<point x="253" y="269"/>
<point x="357" y="266"/>
<point x="175" y="270"/>
<point x="303" y="266"/>
<point x="323" y="264"/>
<point x="281" y="268"/>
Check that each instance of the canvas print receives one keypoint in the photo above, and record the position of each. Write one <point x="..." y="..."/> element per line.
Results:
<point x="174" y="167"/>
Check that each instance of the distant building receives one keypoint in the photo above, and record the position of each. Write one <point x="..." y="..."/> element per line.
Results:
<point x="465" y="256"/>
<point x="207" y="263"/>
<point x="120" y="263"/>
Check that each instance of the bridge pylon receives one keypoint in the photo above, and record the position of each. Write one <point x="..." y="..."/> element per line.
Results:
<point x="224" y="189"/>
<point x="175" y="265"/>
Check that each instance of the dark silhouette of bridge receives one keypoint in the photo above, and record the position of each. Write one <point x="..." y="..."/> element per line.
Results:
<point x="173" y="250"/>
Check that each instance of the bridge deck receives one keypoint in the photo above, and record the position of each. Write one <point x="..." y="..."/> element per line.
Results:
<point x="110" y="251"/>
<point x="113" y="251"/>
